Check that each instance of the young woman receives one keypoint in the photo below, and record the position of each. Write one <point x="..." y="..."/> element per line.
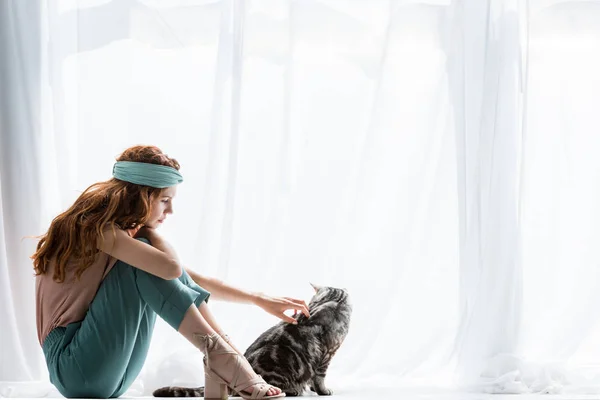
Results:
<point x="103" y="273"/>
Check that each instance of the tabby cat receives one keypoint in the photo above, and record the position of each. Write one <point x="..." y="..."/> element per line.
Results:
<point x="293" y="356"/>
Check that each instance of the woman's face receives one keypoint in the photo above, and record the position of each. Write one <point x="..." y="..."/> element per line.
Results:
<point x="161" y="206"/>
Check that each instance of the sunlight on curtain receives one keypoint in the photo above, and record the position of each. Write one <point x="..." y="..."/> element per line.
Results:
<point x="355" y="144"/>
<point x="309" y="152"/>
<point x="559" y="204"/>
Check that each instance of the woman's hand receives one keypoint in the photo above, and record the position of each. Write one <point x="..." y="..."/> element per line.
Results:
<point x="145" y="232"/>
<point x="136" y="232"/>
<point x="277" y="305"/>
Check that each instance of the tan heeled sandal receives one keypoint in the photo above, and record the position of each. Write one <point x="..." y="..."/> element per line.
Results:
<point x="215" y="387"/>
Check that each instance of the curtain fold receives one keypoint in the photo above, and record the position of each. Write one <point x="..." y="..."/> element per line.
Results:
<point x="491" y="275"/>
<point x="20" y="185"/>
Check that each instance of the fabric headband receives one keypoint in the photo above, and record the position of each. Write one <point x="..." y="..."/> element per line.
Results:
<point x="147" y="174"/>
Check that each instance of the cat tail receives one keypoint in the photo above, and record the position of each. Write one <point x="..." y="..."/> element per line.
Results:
<point x="175" y="391"/>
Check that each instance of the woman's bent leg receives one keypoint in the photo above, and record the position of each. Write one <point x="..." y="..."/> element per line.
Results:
<point x="100" y="356"/>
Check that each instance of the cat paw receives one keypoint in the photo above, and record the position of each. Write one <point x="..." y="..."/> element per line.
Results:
<point x="292" y="394"/>
<point x="324" y="392"/>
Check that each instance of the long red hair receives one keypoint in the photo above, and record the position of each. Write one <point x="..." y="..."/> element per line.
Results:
<point x="73" y="235"/>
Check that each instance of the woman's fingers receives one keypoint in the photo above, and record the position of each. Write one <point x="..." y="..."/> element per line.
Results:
<point x="288" y="319"/>
<point x="302" y="302"/>
<point x="299" y="304"/>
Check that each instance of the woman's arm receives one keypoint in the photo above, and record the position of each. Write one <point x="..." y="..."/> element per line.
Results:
<point x="273" y="305"/>
<point x="159" y="259"/>
<point x="222" y="291"/>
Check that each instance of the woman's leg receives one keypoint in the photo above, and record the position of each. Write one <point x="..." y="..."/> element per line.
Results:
<point x="210" y="318"/>
<point x="193" y="323"/>
<point x="204" y="310"/>
<point x="205" y="323"/>
<point x="100" y="356"/>
<point x="206" y="314"/>
<point x="138" y="354"/>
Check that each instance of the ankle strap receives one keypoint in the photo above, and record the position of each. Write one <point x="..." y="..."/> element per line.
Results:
<point x="225" y="337"/>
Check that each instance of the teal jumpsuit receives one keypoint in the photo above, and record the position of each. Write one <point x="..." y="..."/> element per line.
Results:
<point x="100" y="356"/>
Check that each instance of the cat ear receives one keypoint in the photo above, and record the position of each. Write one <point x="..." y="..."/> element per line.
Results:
<point x="315" y="287"/>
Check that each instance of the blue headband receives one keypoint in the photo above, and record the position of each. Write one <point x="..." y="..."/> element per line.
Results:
<point x="153" y="175"/>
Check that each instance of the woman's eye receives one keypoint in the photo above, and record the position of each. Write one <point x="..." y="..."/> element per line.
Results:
<point x="165" y="201"/>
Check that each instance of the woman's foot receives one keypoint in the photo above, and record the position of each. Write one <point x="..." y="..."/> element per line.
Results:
<point x="223" y="363"/>
<point x="227" y="339"/>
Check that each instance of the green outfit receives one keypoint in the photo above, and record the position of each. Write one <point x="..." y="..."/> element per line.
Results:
<point x="101" y="356"/>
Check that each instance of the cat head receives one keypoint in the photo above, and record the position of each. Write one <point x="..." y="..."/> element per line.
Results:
<point x="324" y="294"/>
<point x="330" y="313"/>
<point x="328" y="305"/>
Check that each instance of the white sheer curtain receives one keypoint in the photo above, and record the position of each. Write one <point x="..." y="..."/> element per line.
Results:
<point x="21" y="183"/>
<point x="489" y="136"/>
<point x="560" y="195"/>
<point x="434" y="157"/>
<point x="530" y="320"/>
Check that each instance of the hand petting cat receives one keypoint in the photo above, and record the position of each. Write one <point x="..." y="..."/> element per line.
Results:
<point x="278" y="305"/>
<point x="273" y="305"/>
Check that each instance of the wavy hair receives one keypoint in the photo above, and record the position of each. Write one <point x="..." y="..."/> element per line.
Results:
<point x="72" y="235"/>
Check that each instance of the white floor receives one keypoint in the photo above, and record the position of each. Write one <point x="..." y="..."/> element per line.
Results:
<point x="424" y="394"/>
<point x="431" y="395"/>
<point x="402" y="394"/>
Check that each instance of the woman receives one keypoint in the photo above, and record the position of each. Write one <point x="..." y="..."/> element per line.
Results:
<point x="103" y="273"/>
